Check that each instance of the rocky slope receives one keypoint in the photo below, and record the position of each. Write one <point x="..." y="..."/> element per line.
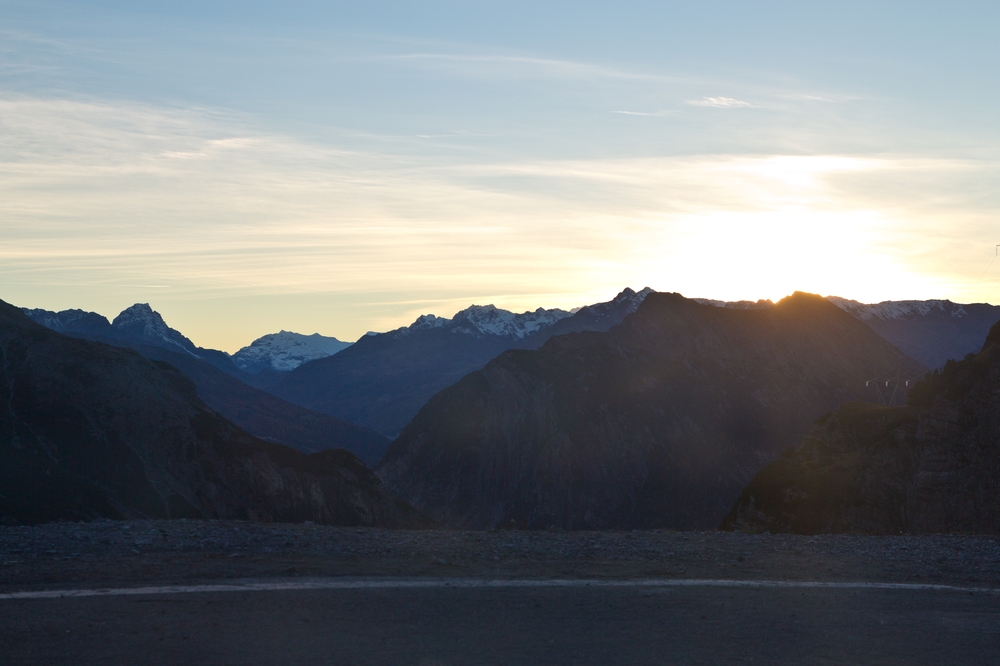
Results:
<point x="88" y="430"/>
<point x="933" y="466"/>
<point x="384" y="379"/>
<point x="285" y="351"/>
<point x="659" y="422"/>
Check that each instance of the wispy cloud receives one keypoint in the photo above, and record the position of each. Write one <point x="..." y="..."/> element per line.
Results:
<point x="124" y="195"/>
<point x="522" y="66"/>
<point x="719" y="102"/>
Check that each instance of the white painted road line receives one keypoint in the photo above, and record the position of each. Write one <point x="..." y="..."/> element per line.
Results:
<point x="476" y="583"/>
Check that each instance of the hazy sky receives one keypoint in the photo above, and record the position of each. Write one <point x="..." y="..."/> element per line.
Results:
<point x="344" y="167"/>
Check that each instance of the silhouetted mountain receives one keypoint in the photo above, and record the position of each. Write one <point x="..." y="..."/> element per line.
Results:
<point x="933" y="466"/>
<point x="73" y="322"/>
<point x="285" y="351"/>
<point x="258" y="412"/>
<point x="383" y="379"/>
<point x="142" y="325"/>
<point x="931" y="332"/>
<point x="135" y="325"/>
<point x="597" y="317"/>
<point x="90" y="430"/>
<point x="658" y="422"/>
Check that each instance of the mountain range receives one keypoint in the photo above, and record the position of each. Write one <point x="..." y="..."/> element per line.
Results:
<point x="658" y="422"/>
<point x="224" y="387"/>
<point x="931" y="332"/>
<point x="384" y="379"/>
<point x="90" y="430"/>
<point x="138" y="324"/>
<point x="647" y="410"/>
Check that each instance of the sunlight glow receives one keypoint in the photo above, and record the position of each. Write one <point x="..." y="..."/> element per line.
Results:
<point x="178" y="208"/>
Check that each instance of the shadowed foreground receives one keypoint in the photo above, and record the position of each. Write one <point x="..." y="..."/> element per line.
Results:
<point x="519" y="625"/>
<point x="619" y="618"/>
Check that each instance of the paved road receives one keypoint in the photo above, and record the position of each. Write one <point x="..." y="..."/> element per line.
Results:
<point x="450" y="622"/>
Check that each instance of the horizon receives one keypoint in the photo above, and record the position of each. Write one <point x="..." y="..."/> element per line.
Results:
<point x="233" y="350"/>
<point x="341" y="169"/>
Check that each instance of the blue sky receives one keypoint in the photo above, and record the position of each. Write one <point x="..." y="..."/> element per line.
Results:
<point x="344" y="167"/>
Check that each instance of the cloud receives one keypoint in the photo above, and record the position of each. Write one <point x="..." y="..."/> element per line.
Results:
<point x="519" y="66"/>
<point x="204" y="203"/>
<point x="719" y="102"/>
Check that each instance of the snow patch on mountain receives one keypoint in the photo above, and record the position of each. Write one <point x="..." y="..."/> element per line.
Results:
<point x="482" y="320"/>
<point x="144" y="325"/>
<point x="627" y="295"/>
<point x="491" y="320"/>
<point x="428" y="321"/>
<point x="887" y="310"/>
<point x="73" y="321"/>
<point x="285" y="351"/>
<point x="622" y="305"/>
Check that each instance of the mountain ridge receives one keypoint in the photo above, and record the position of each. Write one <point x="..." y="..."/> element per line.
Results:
<point x="225" y="390"/>
<point x="382" y="380"/>
<point x="90" y="430"/>
<point x="658" y="422"/>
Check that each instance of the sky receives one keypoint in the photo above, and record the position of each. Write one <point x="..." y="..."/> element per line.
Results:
<point x="344" y="167"/>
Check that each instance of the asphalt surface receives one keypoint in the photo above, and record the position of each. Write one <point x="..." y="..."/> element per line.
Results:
<point x="216" y="592"/>
<point x="447" y="622"/>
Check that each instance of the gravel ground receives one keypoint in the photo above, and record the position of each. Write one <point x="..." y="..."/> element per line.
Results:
<point x="181" y="551"/>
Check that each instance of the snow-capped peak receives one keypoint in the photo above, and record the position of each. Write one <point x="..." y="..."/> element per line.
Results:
<point x="896" y="309"/>
<point x="491" y="320"/>
<point x="627" y="298"/>
<point x="141" y="323"/>
<point x="285" y="351"/>
<point x="634" y="298"/>
<point x="428" y="321"/>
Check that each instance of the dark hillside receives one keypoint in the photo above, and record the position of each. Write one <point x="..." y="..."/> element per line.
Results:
<point x="269" y="417"/>
<point x="88" y="430"/>
<point x="931" y="467"/>
<point x="659" y="422"/>
<point x="383" y="379"/>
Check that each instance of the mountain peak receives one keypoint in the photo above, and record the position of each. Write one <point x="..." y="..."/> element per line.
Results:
<point x="491" y="320"/>
<point x="143" y="325"/>
<point x="427" y="321"/>
<point x="285" y="351"/>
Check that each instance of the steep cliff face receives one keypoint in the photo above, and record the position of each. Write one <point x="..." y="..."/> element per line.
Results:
<point x="89" y="430"/>
<point x="659" y="422"/>
<point x="931" y="467"/>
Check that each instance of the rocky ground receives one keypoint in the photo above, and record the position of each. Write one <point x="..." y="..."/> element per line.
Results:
<point x="117" y="553"/>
